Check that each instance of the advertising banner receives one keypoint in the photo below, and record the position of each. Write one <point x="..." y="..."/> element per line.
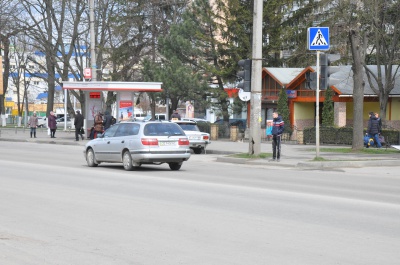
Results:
<point x="125" y="109"/>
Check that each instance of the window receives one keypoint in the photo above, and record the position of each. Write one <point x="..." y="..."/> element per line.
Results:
<point x="110" y="132"/>
<point x="162" y="129"/>
<point x="126" y="129"/>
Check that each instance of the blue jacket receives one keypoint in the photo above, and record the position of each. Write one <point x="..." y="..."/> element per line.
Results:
<point x="277" y="125"/>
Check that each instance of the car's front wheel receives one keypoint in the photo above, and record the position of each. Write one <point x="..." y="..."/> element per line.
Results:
<point x="90" y="158"/>
<point x="127" y="161"/>
<point x="175" y="166"/>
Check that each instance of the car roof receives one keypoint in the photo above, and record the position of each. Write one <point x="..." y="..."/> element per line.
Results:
<point x="184" y="122"/>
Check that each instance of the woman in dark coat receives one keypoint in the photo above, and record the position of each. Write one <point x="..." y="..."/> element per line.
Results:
<point x="52" y="124"/>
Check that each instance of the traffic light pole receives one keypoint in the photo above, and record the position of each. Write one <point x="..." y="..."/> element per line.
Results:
<point x="256" y="82"/>
<point x="317" y="109"/>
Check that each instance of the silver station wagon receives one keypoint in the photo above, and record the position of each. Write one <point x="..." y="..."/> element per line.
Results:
<point x="136" y="143"/>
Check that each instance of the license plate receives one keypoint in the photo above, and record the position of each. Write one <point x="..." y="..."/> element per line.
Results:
<point x="166" y="143"/>
<point x="194" y="137"/>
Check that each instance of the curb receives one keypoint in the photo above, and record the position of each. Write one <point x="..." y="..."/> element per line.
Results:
<point x="353" y="164"/>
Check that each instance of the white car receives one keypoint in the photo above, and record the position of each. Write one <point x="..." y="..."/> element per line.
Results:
<point x="42" y="122"/>
<point x="198" y="140"/>
<point x="61" y="122"/>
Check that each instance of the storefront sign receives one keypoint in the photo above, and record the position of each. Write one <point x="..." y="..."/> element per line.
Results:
<point x="291" y="93"/>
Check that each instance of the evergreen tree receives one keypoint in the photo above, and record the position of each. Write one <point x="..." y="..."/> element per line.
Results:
<point x="283" y="109"/>
<point x="327" y="109"/>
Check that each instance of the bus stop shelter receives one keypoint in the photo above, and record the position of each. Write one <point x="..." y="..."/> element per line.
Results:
<point x="94" y="101"/>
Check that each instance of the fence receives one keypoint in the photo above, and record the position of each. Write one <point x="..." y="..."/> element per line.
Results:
<point x="344" y="135"/>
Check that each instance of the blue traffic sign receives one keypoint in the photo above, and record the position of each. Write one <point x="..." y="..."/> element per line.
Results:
<point x="318" y="38"/>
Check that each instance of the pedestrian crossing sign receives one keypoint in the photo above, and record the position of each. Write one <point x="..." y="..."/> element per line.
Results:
<point x="318" y="38"/>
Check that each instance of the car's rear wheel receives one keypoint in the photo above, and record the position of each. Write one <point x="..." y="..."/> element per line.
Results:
<point x="198" y="150"/>
<point x="127" y="161"/>
<point x="174" y="166"/>
<point x="90" y="158"/>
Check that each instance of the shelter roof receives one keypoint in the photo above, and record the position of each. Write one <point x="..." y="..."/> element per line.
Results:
<point x="114" y="86"/>
<point x="344" y="80"/>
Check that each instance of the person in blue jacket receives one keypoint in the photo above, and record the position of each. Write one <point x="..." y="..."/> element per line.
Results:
<point x="277" y="129"/>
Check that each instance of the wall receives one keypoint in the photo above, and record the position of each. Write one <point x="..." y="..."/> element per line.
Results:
<point x="304" y="114"/>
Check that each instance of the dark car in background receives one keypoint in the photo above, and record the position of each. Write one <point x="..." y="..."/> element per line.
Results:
<point x="240" y="123"/>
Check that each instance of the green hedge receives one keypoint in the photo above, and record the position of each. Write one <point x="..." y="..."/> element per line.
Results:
<point x="343" y="135"/>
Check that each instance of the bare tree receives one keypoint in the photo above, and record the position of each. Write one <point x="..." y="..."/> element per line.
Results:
<point x="385" y="39"/>
<point x="55" y="23"/>
<point x="9" y="11"/>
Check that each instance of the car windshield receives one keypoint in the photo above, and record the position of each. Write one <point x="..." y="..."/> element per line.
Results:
<point x="188" y="126"/>
<point x="162" y="129"/>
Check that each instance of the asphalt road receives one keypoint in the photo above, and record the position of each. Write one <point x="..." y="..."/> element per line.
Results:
<point x="56" y="210"/>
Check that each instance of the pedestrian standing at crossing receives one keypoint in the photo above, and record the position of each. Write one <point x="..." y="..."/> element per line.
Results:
<point x="277" y="129"/>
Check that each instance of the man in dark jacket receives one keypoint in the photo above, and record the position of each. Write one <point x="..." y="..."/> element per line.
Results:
<point x="78" y="125"/>
<point x="373" y="129"/>
<point x="107" y="121"/>
<point x="277" y="129"/>
<point x="175" y="115"/>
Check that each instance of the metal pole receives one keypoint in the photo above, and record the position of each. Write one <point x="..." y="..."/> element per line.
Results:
<point x="65" y="109"/>
<point x="92" y="41"/>
<point x="26" y="99"/>
<point x="317" y="109"/>
<point x="256" y="82"/>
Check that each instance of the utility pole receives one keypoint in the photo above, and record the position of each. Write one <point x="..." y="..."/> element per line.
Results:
<point x="92" y="41"/>
<point x="256" y="82"/>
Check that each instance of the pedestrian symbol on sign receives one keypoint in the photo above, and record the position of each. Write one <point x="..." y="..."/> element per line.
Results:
<point x="319" y="39"/>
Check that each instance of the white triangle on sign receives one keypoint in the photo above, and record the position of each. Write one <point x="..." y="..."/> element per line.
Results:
<point x="319" y="39"/>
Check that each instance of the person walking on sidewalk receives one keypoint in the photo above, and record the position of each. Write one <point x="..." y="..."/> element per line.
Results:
<point x="277" y="129"/>
<point x="78" y="125"/>
<point x="33" y="123"/>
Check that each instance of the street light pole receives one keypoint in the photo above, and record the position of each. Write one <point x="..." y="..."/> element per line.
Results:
<point x="256" y="82"/>
<point x="92" y="41"/>
<point x="23" y="66"/>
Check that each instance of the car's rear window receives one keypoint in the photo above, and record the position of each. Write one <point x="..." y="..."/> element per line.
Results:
<point x="162" y="129"/>
<point x="188" y="126"/>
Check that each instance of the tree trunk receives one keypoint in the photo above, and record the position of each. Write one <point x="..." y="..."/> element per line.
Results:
<point x="358" y="90"/>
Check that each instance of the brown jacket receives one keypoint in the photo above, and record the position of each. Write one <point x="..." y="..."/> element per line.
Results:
<point x="98" y="123"/>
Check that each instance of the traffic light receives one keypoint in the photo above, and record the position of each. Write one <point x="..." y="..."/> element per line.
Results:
<point x="245" y="74"/>
<point x="325" y="71"/>
<point x="311" y="80"/>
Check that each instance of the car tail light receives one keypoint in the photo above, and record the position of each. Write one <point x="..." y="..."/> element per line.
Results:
<point x="205" y="137"/>
<point x="183" y="141"/>
<point x="149" y="141"/>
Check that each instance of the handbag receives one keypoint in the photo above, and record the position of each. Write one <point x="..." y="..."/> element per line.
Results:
<point x="81" y="131"/>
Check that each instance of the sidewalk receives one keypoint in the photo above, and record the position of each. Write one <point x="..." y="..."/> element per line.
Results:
<point x="293" y="155"/>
